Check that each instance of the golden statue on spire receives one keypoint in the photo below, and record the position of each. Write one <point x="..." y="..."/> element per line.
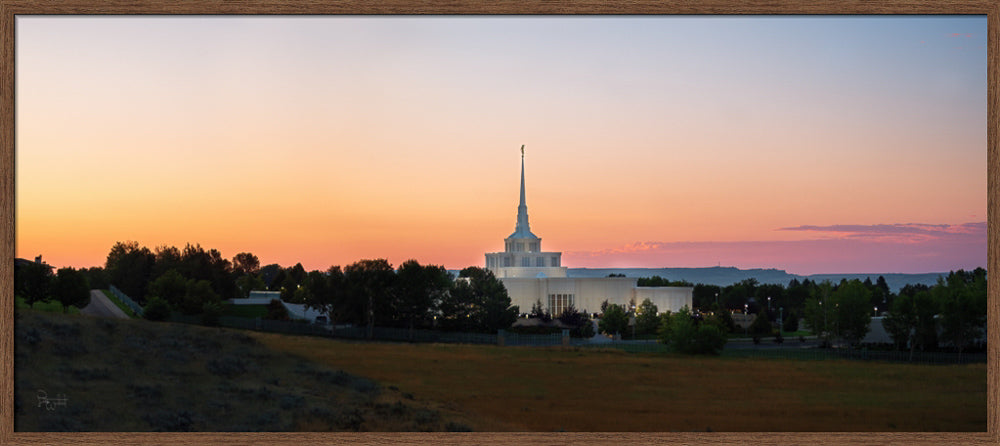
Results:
<point x="522" y="150"/>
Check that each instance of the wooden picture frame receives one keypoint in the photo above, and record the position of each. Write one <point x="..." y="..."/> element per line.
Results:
<point x="10" y="8"/>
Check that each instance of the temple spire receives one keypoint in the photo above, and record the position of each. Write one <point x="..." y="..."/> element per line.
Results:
<point x="521" y="206"/>
<point x="522" y="229"/>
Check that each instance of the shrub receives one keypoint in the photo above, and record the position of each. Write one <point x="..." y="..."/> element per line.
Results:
<point x="89" y="374"/>
<point x="30" y="336"/>
<point x="211" y="312"/>
<point x="107" y="324"/>
<point x="69" y="347"/>
<point x="145" y="393"/>
<point x="791" y="322"/>
<point x="156" y="309"/>
<point x="226" y="366"/>
<point x="686" y="336"/>
<point x="290" y="401"/>
<point x="276" y="311"/>
<point x="761" y="326"/>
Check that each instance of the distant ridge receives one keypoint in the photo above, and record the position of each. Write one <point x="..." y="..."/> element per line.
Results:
<point x="726" y="275"/>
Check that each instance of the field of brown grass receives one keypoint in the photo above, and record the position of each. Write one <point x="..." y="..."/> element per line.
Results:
<point x="549" y="389"/>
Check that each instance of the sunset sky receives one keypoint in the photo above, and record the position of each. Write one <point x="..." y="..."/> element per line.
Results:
<point x="811" y="144"/>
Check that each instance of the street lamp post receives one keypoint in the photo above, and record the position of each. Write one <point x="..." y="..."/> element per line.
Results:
<point x="824" y="318"/>
<point x="768" y="304"/>
<point x="746" y="326"/>
<point x="781" y="319"/>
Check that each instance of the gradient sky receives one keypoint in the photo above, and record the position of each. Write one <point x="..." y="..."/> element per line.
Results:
<point x="810" y="144"/>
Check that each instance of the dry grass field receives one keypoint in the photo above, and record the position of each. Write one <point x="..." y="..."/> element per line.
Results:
<point x="137" y="376"/>
<point x="551" y="389"/>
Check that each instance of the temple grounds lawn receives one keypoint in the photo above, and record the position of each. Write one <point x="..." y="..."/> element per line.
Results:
<point x="550" y="389"/>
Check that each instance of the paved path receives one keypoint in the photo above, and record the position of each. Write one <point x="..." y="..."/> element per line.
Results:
<point x="100" y="305"/>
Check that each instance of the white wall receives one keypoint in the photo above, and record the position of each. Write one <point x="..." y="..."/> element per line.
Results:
<point x="668" y="298"/>
<point x="590" y="292"/>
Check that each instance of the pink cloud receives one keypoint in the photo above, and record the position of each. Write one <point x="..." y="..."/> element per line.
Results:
<point x="902" y="232"/>
<point x="908" y="248"/>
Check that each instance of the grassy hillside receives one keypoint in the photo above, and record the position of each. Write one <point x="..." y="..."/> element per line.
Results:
<point x="135" y="375"/>
<point x="53" y="306"/>
<point x="550" y="389"/>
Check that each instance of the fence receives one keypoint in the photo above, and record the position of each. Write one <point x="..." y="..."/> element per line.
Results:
<point x="507" y="338"/>
<point x="127" y="300"/>
<point x="857" y="354"/>
<point x="631" y="346"/>
<point x="344" y="332"/>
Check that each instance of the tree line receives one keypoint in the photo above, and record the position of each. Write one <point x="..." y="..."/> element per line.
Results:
<point x="368" y="292"/>
<point x="953" y="311"/>
<point x="372" y="292"/>
<point x="36" y="282"/>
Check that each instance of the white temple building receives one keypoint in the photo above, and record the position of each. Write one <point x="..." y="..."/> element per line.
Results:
<point x="532" y="275"/>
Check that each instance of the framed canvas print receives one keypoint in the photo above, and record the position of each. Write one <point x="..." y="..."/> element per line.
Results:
<point x="281" y="222"/>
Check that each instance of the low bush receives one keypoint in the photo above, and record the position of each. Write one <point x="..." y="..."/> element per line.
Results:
<point x="156" y="310"/>
<point x="457" y="427"/>
<point x="226" y="366"/>
<point x="171" y="421"/>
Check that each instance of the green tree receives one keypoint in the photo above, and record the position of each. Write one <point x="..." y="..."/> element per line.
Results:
<point x="761" y="325"/>
<point x="853" y="314"/>
<point x="685" y="335"/>
<point x="724" y="320"/>
<point x="818" y="313"/>
<point x="246" y="263"/>
<point x="301" y="295"/>
<point x="962" y="301"/>
<point x="647" y="321"/>
<point x="911" y="321"/>
<point x="130" y="268"/>
<point x="70" y="287"/>
<point x="247" y="283"/>
<point x="171" y="287"/>
<point x="332" y="299"/>
<point x="614" y="321"/>
<point x="881" y="296"/>
<point x="196" y="295"/>
<point x="268" y="273"/>
<point x="200" y="264"/>
<point x="166" y="258"/>
<point x="97" y="278"/>
<point x="419" y="290"/>
<point x="493" y="310"/>
<point x="369" y="285"/>
<point x="790" y="322"/>
<point x="579" y="323"/>
<point x="477" y="302"/>
<point x="538" y="310"/>
<point x="33" y="281"/>
<point x="706" y="296"/>
<point x="156" y="309"/>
